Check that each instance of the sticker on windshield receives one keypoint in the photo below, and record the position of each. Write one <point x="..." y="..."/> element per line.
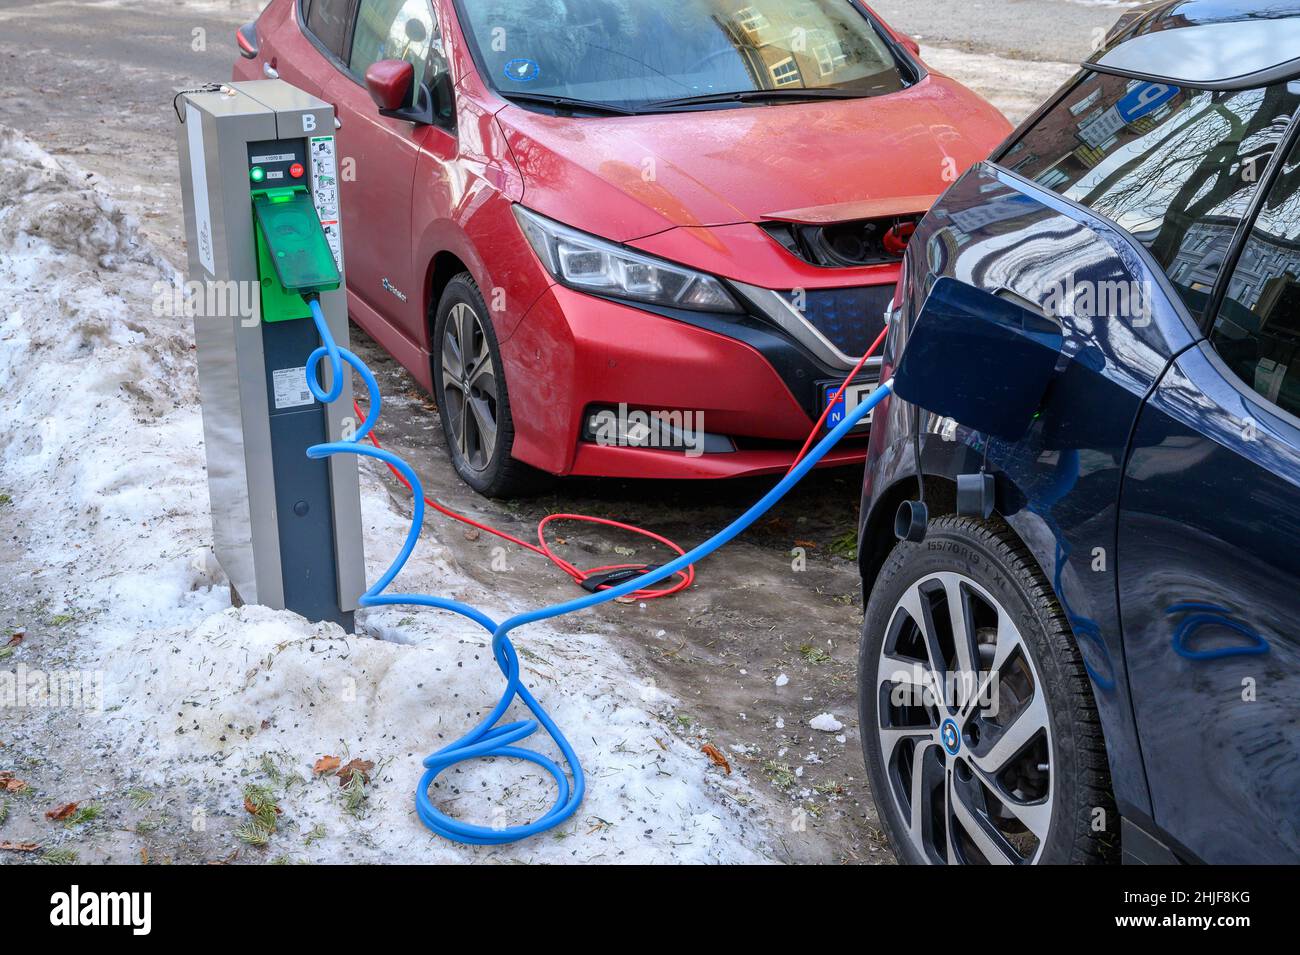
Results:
<point x="523" y="70"/>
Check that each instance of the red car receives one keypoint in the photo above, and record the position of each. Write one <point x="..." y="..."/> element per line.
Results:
<point x="624" y="237"/>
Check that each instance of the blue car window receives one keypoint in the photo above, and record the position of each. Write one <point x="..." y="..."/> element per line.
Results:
<point x="1257" y="330"/>
<point x="1175" y="167"/>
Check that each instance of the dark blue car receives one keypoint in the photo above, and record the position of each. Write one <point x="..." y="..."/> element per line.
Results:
<point x="1091" y="650"/>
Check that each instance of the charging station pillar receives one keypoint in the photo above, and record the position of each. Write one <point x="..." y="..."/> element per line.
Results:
<point x="286" y="529"/>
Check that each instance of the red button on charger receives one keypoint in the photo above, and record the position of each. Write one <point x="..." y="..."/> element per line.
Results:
<point x="296" y="170"/>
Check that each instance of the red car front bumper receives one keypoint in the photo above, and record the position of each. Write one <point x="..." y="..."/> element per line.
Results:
<point x="573" y="351"/>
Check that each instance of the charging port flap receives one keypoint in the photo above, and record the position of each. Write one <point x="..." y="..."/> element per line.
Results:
<point x="295" y="243"/>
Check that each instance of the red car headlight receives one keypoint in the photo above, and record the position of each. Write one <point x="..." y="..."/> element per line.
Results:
<point x="590" y="264"/>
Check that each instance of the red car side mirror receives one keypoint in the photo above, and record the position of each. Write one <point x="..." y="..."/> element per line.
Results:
<point x="389" y="83"/>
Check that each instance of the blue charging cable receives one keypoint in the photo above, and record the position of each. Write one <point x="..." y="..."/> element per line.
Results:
<point x="489" y="739"/>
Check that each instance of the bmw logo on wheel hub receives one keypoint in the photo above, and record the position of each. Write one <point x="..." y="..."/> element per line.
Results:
<point x="951" y="738"/>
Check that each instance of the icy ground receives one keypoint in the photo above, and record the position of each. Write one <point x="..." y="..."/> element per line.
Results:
<point x="102" y="468"/>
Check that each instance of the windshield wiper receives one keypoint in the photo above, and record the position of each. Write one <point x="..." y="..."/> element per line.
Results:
<point x="568" y="104"/>
<point x="759" y="96"/>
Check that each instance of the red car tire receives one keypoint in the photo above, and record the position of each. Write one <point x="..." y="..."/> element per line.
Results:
<point x="473" y="401"/>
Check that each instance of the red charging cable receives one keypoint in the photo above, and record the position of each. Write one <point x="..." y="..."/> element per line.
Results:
<point x="813" y="434"/>
<point x="684" y="578"/>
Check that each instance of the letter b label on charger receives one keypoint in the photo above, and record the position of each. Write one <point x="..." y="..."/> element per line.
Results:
<point x="308" y="122"/>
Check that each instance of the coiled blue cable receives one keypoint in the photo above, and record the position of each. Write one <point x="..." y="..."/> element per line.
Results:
<point x="488" y="739"/>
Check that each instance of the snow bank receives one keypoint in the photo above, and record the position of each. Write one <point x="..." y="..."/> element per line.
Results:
<point x="106" y="473"/>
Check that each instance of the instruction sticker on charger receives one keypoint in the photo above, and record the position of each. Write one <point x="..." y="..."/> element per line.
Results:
<point x="325" y="192"/>
<point x="290" y="387"/>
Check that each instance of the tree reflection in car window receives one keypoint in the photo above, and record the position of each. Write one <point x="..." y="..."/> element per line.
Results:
<point x="1173" y="166"/>
<point x="1257" y="330"/>
<point x="633" y="52"/>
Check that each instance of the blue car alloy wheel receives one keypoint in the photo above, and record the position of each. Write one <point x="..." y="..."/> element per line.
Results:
<point x="980" y="736"/>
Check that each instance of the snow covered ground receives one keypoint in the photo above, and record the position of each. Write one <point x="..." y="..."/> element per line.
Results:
<point x="103" y="466"/>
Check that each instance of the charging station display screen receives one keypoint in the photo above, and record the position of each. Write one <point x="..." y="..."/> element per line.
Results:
<point x="296" y="245"/>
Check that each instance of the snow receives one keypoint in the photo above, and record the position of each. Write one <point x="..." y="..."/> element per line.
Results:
<point x="826" y="723"/>
<point x="107" y="477"/>
<point x="781" y="679"/>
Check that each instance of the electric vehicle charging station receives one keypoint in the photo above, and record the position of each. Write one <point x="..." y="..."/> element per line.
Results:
<point x="261" y="206"/>
<point x="260" y="187"/>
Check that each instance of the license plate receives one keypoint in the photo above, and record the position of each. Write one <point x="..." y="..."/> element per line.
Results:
<point x="853" y="396"/>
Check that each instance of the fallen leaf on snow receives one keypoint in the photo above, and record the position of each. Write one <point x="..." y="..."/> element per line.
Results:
<point x="251" y="809"/>
<point x="326" y="764"/>
<point x="62" y="812"/>
<point x="20" y="846"/>
<point x="362" y="766"/>
<point x="16" y="638"/>
<point x="715" y="754"/>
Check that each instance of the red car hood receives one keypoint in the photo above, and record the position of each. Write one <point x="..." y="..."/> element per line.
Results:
<point x="628" y="177"/>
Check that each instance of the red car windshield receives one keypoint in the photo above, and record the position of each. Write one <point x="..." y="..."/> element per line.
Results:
<point x="631" y="53"/>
